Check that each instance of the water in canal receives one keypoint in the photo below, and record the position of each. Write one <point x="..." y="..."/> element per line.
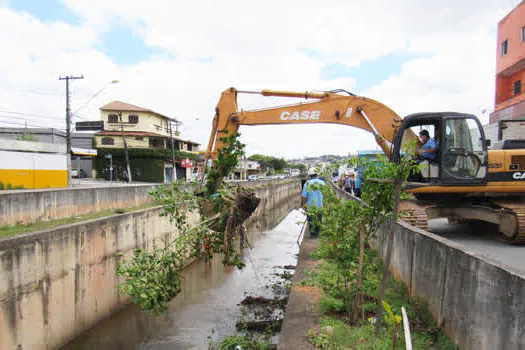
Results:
<point x="207" y="308"/>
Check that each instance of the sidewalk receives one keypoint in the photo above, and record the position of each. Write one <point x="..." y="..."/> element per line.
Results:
<point x="301" y="311"/>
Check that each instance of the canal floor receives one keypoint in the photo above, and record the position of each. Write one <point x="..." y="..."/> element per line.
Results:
<point x="207" y="308"/>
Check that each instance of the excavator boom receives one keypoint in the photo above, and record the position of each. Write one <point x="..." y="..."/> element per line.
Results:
<point x="326" y="107"/>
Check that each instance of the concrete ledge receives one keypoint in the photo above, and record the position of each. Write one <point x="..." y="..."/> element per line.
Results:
<point x="302" y="309"/>
<point x="26" y="206"/>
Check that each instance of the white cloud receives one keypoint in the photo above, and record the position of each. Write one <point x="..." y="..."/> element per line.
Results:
<point x="213" y="45"/>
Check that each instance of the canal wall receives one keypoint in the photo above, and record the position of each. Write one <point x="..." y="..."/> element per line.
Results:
<point x="58" y="283"/>
<point x="476" y="301"/>
<point x="25" y="206"/>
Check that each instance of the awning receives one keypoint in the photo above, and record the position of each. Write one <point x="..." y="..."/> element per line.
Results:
<point x="83" y="152"/>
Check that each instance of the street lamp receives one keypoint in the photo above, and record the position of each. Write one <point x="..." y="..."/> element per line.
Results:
<point x="68" y="131"/>
<point x="189" y="124"/>
<point x="95" y="95"/>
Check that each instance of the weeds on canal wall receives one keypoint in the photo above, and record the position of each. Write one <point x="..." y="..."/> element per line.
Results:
<point x="152" y="277"/>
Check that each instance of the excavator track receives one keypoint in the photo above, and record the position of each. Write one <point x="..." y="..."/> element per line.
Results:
<point x="516" y="208"/>
<point x="414" y="213"/>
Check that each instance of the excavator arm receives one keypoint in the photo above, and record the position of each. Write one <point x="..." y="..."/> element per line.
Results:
<point x="326" y="107"/>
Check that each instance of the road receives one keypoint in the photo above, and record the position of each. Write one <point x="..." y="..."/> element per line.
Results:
<point x="482" y="239"/>
<point x="89" y="182"/>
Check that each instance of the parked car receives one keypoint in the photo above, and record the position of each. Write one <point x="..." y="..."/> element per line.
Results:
<point x="76" y="174"/>
<point x="252" y="177"/>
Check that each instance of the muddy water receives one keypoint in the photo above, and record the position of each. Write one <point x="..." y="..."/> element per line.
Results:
<point x="208" y="306"/>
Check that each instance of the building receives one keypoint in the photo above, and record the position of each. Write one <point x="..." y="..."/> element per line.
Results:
<point x="152" y="140"/>
<point x="32" y="164"/>
<point x="46" y="135"/>
<point x="81" y="144"/>
<point x="244" y="169"/>
<point x="510" y="67"/>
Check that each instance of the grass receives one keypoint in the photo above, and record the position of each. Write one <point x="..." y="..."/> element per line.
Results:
<point x="12" y="230"/>
<point x="244" y="342"/>
<point x="334" y="332"/>
<point x="5" y="187"/>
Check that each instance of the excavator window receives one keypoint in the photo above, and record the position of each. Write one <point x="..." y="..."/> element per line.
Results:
<point x="463" y="150"/>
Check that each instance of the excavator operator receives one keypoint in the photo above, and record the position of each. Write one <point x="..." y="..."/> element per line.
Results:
<point x="429" y="148"/>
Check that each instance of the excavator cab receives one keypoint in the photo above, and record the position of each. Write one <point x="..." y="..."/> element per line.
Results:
<point x="461" y="151"/>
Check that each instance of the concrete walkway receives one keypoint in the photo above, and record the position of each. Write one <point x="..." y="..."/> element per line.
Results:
<point x="302" y="310"/>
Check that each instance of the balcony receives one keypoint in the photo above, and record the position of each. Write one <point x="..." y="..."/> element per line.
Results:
<point x="515" y="99"/>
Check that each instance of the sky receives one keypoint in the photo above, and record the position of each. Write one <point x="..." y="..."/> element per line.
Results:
<point x="176" y="57"/>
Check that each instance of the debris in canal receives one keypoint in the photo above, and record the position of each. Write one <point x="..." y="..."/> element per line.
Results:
<point x="285" y="275"/>
<point x="262" y="318"/>
<point x="251" y="300"/>
<point x="263" y="314"/>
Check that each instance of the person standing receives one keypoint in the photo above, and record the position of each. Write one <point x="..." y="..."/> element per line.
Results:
<point x="312" y="197"/>
<point x="347" y="182"/>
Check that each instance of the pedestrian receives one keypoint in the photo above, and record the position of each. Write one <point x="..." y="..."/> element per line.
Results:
<point x="312" y="198"/>
<point x="347" y="181"/>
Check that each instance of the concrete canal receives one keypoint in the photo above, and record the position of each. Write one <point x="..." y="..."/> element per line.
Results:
<point x="208" y="307"/>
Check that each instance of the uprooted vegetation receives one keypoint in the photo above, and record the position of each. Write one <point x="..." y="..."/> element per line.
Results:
<point x="152" y="277"/>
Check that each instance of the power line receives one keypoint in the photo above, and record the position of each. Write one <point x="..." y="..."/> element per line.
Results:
<point x="21" y="117"/>
<point x="23" y="124"/>
<point x="3" y="110"/>
<point x="29" y="122"/>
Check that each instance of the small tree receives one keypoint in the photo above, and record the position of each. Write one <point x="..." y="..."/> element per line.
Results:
<point x="382" y="191"/>
<point x="346" y="228"/>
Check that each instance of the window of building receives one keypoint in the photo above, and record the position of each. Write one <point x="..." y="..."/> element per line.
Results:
<point x="523" y="34"/>
<point x="108" y="141"/>
<point x="504" y="47"/>
<point x="139" y="138"/>
<point x="133" y="119"/>
<point x="517" y="87"/>
<point x="113" y="118"/>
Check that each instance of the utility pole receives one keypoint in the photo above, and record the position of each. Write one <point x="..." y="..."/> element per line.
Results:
<point x="174" y="176"/>
<point x="68" y="125"/>
<point x="125" y="146"/>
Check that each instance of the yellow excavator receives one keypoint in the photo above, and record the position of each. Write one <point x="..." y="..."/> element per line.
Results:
<point x="466" y="181"/>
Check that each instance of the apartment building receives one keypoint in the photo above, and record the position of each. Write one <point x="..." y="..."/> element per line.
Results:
<point x="510" y="67"/>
